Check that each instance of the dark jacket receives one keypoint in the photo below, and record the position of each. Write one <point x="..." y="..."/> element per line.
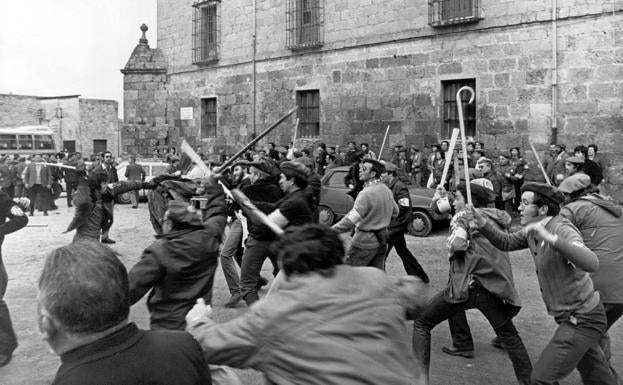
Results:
<point x="6" y="177"/>
<point x="131" y="356"/>
<point x="135" y="172"/>
<point x="260" y="193"/>
<point x="71" y="176"/>
<point x="593" y="170"/>
<point x="297" y="207"/>
<point x="179" y="267"/>
<point x="15" y="215"/>
<point x="30" y="175"/>
<point x="601" y="223"/>
<point x="313" y="188"/>
<point x="403" y="200"/>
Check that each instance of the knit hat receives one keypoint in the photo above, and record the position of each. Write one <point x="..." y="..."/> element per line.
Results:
<point x="290" y="169"/>
<point x="181" y="212"/>
<point x="575" y="182"/>
<point x="549" y="192"/>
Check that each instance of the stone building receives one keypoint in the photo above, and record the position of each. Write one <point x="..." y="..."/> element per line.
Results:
<point x="85" y="125"/>
<point x="543" y="71"/>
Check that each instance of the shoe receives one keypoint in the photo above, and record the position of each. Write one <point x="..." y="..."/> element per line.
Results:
<point x="262" y="282"/>
<point x="45" y="213"/>
<point x="497" y="343"/>
<point x="467" y="353"/>
<point x="32" y="214"/>
<point x="425" y="278"/>
<point x="70" y="205"/>
<point x="134" y="207"/>
<point x="108" y="241"/>
<point x="5" y="359"/>
<point x="233" y="301"/>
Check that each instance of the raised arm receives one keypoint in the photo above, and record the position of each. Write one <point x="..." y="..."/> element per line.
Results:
<point x="517" y="240"/>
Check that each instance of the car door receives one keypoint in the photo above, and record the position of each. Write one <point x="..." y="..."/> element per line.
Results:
<point x="333" y="192"/>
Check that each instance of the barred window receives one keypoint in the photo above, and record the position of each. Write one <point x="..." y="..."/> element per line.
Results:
<point x="450" y="112"/>
<point x="447" y="12"/>
<point x="304" y="24"/>
<point x="206" y="31"/>
<point x="208" y="118"/>
<point x="308" y="103"/>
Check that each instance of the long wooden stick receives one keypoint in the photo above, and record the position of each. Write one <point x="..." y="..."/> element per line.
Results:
<point x="58" y="165"/>
<point x="538" y="160"/>
<point x="446" y="166"/>
<point x="252" y="211"/>
<point x="290" y="153"/>
<point x="383" y="144"/>
<point x="231" y="160"/>
<point x="188" y="150"/>
<point x="464" y="139"/>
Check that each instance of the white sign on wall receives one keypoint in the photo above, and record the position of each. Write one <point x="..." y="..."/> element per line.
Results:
<point x="186" y="113"/>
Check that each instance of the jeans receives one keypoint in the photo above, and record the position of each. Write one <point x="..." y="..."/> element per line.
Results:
<point x="498" y="314"/>
<point x="411" y="265"/>
<point x="252" y="260"/>
<point x="460" y="332"/>
<point x="367" y="257"/>
<point x="70" y="186"/>
<point x="575" y="345"/>
<point x="8" y="339"/>
<point x="233" y="242"/>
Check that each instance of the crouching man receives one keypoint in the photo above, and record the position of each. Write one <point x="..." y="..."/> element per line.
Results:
<point x="83" y="315"/>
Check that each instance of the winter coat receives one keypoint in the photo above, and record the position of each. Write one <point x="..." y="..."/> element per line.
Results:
<point x="179" y="267"/>
<point x="600" y="222"/>
<point x="474" y="258"/>
<point x="345" y="328"/>
<point x="260" y="192"/>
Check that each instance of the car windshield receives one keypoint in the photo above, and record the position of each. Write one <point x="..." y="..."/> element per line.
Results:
<point x="337" y="179"/>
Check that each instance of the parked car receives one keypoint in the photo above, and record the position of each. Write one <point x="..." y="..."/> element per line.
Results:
<point x="152" y="169"/>
<point x="335" y="203"/>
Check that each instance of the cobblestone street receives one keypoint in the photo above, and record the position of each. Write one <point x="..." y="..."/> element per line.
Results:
<point x="34" y="363"/>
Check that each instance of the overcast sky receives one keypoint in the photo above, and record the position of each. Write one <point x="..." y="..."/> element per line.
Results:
<point x="64" y="47"/>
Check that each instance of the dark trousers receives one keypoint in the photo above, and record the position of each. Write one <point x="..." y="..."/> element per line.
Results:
<point x="614" y="311"/>
<point x="410" y="263"/>
<point x="229" y="250"/>
<point x="575" y="344"/>
<point x="252" y="260"/>
<point x="19" y="190"/>
<point x="8" y="340"/>
<point x="499" y="315"/>
<point x="71" y="187"/>
<point x="460" y="332"/>
<point x="367" y="257"/>
<point x="9" y="190"/>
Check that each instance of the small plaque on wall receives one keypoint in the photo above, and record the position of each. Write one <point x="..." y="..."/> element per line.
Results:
<point x="186" y="113"/>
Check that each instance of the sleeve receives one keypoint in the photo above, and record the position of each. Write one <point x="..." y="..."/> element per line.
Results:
<point x="459" y="236"/>
<point x="144" y="275"/>
<point x="127" y="172"/>
<point x="17" y="217"/>
<point x="125" y="186"/>
<point x="353" y="217"/>
<point x="234" y="343"/>
<point x="517" y="240"/>
<point x="215" y="214"/>
<point x="570" y="244"/>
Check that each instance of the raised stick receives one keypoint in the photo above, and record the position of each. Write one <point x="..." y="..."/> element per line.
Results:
<point x="188" y="150"/>
<point x="383" y="144"/>
<point x="58" y="165"/>
<point x="538" y="161"/>
<point x="252" y="211"/>
<point x="464" y="139"/>
<point x="446" y="166"/>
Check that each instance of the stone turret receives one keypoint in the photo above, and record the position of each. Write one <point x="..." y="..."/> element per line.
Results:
<point x="144" y="99"/>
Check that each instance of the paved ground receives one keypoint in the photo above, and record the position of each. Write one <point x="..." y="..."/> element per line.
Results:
<point x="34" y="363"/>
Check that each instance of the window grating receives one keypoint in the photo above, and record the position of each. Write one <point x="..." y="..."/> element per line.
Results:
<point x="206" y="31"/>
<point x="447" y="12"/>
<point x="450" y="112"/>
<point x="208" y="119"/>
<point x="304" y="24"/>
<point x="308" y="103"/>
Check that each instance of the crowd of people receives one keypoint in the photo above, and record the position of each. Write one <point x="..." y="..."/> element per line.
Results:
<point x="308" y="328"/>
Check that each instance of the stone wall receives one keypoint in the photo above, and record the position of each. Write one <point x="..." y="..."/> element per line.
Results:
<point x="367" y="82"/>
<point x="19" y="110"/>
<point x="99" y="119"/>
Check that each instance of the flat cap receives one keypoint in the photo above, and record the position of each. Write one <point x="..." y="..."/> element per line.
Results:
<point x="390" y="167"/>
<point x="484" y="160"/>
<point x="575" y="182"/>
<point x="575" y="160"/>
<point x="291" y="169"/>
<point x="262" y="165"/>
<point x="549" y="192"/>
<point x="183" y="213"/>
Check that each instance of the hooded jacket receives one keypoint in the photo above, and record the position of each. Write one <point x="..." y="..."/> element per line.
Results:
<point x="474" y="258"/>
<point x="600" y="222"/>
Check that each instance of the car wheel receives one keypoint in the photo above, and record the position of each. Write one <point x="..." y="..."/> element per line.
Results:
<point x="124" y="198"/>
<point x="325" y="215"/>
<point x="421" y="224"/>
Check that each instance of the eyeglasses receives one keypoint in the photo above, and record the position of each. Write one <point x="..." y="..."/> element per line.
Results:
<point x="107" y="156"/>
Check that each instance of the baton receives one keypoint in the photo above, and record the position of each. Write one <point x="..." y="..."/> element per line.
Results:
<point x="36" y="225"/>
<point x="252" y="211"/>
<point x="58" y="165"/>
<point x="188" y="150"/>
<point x="538" y="161"/>
<point x="464" y="139"/>
<point x="446" y="166"/>
<point x="383" y="144"/>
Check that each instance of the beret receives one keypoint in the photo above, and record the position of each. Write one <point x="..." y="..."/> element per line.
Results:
<point x="575" y="160"/>
<point x="483" y="182"/>
<point x="575" y="182"/>
<point x="183" y="212"/>
<point x="305" y="161"/>
<point x="262" y="165"/>
<point x="390" y="167"/>
<point x="549" y="192"/>
<point x="291" y="169"/>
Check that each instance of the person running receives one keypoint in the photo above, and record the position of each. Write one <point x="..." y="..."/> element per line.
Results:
<point x="480" y="278"/>
<point x="563" y="263"/>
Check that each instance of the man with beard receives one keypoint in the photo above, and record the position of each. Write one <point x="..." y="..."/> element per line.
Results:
<point x="370" y="216"/>
<point x="231" y="251"/>
<point x="398" y="225"/>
